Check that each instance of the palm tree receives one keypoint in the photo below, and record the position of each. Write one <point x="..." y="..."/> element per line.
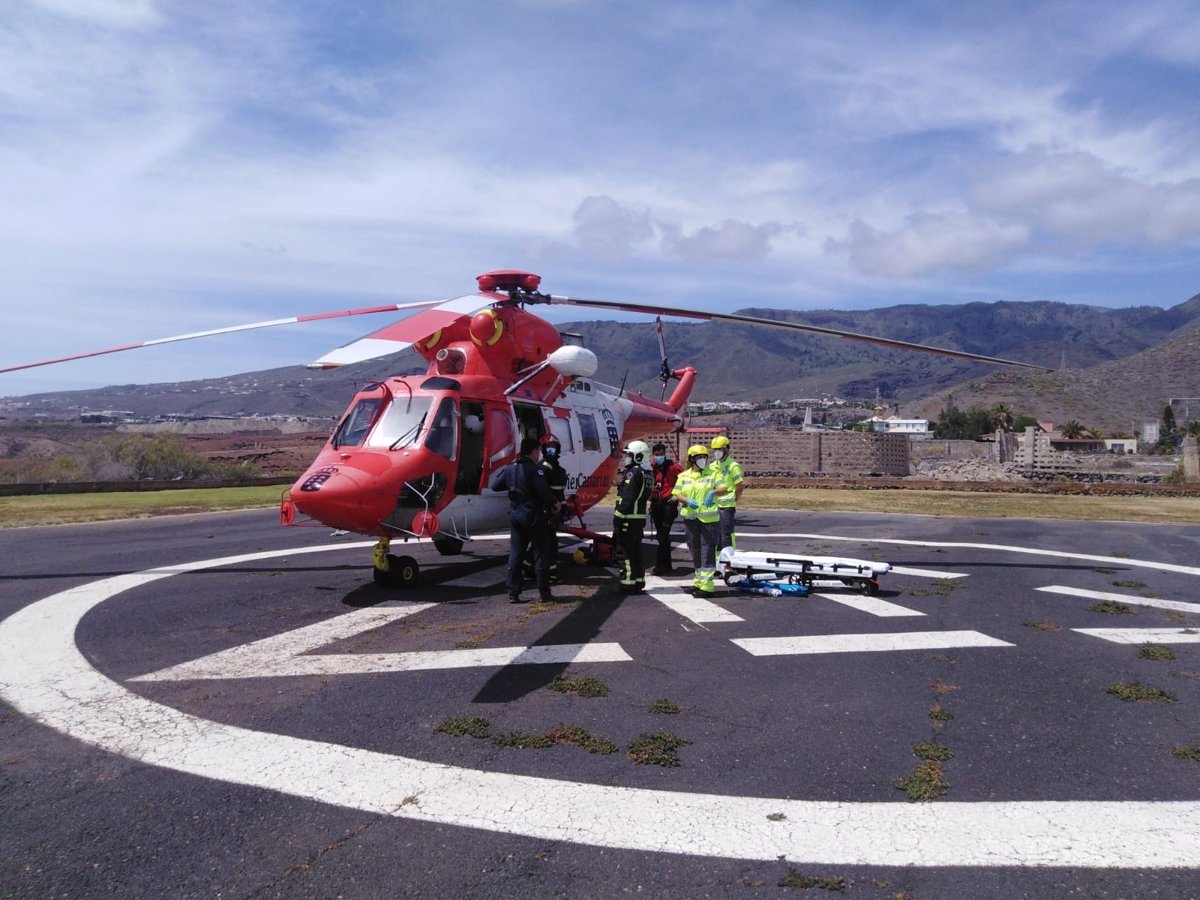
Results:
<point x="1072" y="430"/>
<point x="1004" y="416"/>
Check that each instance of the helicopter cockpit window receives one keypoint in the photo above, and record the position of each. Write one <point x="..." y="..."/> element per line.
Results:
<point x="443" y="433"/>
<point x="401" y="423"/>
<point x="353" y="429"/>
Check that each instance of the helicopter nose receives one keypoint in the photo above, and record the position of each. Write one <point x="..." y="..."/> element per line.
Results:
<point x="339" y="498"/>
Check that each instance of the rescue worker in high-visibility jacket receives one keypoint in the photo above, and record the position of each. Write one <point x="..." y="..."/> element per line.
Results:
<point x="729" y="470"/>
<point x="697" y="489"/>
<point x="629" y="518"/>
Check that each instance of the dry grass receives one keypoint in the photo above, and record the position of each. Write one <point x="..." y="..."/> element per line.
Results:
<point x="969" y="504"/>
<point x="54" y="509"/>
<point x="59" y="509"/>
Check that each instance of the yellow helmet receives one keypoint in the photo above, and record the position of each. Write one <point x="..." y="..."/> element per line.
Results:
<point x="697" y="450"/>
<point x="720" y="442"/>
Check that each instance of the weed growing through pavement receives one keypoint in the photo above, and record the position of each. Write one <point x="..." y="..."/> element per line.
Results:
<point x="1158" y="652"/>
<point x="1042" y="626"/>
<point x="932" y="750"/>
<point x="1112" y="608"/>
<point x="776" y="817"/>
<point x="1192" y="752"/>
<point x="469" y="726"/>
<point x="656" y="749"/>
<point x="522" y="741"/>
<point x="927" y="782"/>
<point x="939" y="713"/>
<point x="664" y="707"/>
<point x="581" y="737"/>
<point x="584" y="686"/>
<point x="1132" y="585"/>
<point x="1104" y="570"/>
<point x="940" y="687"/>
<point x="798" y="880"/>
<point x="1135" y="691"/>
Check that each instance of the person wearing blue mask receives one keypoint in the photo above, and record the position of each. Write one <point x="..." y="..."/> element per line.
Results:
<point x="663" y="507"/>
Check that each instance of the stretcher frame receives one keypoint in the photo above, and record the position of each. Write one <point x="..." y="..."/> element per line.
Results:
<point x="739" y="566"/>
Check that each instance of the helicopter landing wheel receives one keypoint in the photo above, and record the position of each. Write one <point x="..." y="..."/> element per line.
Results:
<point x="448" y="546"/>
<point x="402" y="572"/>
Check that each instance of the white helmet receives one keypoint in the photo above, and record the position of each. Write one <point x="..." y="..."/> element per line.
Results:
<point x="638" y="451"/>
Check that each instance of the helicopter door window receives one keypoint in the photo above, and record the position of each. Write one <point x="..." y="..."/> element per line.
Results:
<point x="401" y="423"/>
<point x="529" y="420"/>
<point x="501" y="443"/>
<point x="561" y="429"/>
<point x="443" y="433"/>
<point x="470" y="465"/>
<point x="589" y="432"/>
<point x="355" y="426"/>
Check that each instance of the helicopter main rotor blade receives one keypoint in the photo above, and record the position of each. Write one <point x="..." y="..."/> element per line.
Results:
<point x="292" y="320"/>
<point x="793" y="326"/>
<point x="403" y="334"/>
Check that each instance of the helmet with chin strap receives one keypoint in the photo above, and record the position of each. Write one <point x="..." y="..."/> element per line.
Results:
<point x="638" y="451"/>
<point x="697" y="450"/>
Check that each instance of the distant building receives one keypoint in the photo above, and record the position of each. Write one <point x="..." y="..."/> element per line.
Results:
<point x="917" y="428"/>
<point x="1079" y="445"/>
<point x="1121" y="445"/>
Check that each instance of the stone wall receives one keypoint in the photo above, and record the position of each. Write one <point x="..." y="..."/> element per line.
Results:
<point x="1191" y="460"/>
<point x="790" y="453"/>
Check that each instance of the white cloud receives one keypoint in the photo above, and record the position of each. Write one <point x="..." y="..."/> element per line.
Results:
<point x="604" y="227"/>
<point x="731" y="240"/>
<point x="112" y="13"/>
<point x="929" y="242"/>
<point x="1076" y="196"/>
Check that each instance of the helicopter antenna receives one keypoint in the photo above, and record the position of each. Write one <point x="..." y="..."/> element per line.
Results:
<point x="624" y="378"/>
<point x="664" y="372"/>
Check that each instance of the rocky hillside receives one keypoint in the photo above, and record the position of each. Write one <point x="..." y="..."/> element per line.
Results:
<point x="742" y="362"/>
<point x="1114" y="396"/>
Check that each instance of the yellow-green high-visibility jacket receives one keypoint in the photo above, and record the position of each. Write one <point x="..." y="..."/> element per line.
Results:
<point x="693" y="485"/>
<point x="730" y="473"/>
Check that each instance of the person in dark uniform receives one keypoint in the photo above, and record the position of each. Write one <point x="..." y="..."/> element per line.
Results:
<point x="629" y="518"/>
<point x="556" y="479"/>
<point x="531" y="509"/>
<point x="663" y="507"/>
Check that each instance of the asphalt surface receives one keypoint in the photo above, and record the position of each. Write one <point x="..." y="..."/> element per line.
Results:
<point x="312" y="765"/>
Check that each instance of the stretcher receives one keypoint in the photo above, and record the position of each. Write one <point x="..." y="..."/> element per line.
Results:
<point x="779" y="571"/>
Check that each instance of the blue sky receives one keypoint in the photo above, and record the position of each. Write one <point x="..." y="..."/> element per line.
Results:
<point x="169" y="167"/>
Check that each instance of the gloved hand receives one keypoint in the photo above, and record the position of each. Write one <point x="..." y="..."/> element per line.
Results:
<point x="692" y="504"/>
<point x="708" y="498"/>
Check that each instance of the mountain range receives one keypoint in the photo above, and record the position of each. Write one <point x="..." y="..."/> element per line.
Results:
<point x="1111" y="366"/>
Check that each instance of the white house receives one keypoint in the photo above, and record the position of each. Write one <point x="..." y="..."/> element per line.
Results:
<point x="918" y="428"/>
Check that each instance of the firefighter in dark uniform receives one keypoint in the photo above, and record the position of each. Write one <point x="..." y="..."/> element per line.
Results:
<point x="556" y="480"/>
<point x="663" y="507"/>
<point x="531" y="507"/>
<point x="629" y="518"/>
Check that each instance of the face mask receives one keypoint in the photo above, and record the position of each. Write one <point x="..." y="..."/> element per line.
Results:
<point x="718" y="454"/>
<point x="701" y="461"/>
<point x="659" y="460"/>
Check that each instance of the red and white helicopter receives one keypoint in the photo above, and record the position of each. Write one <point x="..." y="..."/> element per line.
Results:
<point x="412" y="455"/>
